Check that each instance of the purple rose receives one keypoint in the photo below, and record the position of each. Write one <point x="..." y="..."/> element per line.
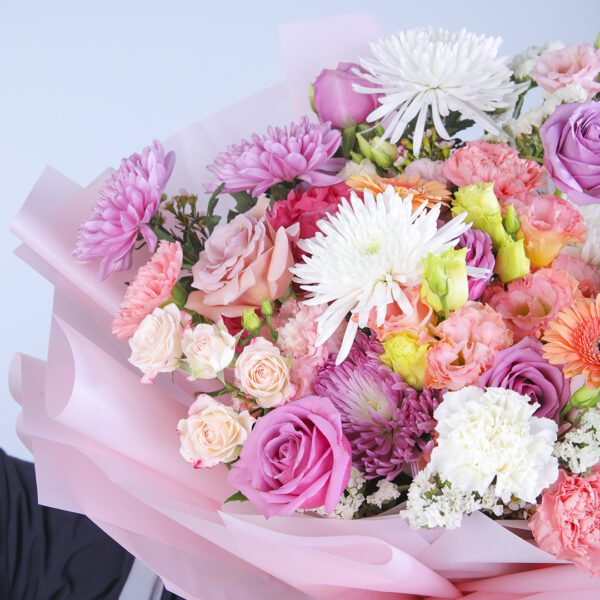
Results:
<point x="296" y="457"/>
<point x="335" y="98"/>
<point x="571" y="140"/>
<point x="479" y="254"/>
<point x="524" y="369"/>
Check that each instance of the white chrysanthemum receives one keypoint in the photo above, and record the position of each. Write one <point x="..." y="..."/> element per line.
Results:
<point x="492" y="435"/>
<point x="364" y="255"/>
<point x="427" y="68"/>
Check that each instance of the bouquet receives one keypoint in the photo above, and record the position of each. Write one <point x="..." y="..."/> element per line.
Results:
<point x="367" y="335"/>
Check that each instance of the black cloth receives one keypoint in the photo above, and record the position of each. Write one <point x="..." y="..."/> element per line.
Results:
<point x="49" y="554"/>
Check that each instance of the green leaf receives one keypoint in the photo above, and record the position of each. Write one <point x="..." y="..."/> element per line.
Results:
<point x="243" y="201"/>
<point x="231" y="215"/>
<point x="348" y="139"/>
<point x="237" y="497"/>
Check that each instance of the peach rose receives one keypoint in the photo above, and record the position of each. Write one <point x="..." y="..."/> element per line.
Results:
<point x="243" y="262"/>
<point x="213" y="433"/>
<point x="263" y="373"/>
<point x="567" y="522"/>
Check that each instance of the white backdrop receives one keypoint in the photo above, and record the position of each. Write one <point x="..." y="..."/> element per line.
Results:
<point x="83" y="84"/>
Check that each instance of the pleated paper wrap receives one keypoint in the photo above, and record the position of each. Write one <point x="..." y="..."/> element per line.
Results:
<point x="105" y="445"/>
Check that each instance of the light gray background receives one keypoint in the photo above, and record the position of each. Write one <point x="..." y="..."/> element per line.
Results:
<point x="84" y="83"/>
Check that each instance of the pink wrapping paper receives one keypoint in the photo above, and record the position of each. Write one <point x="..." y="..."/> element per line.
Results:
<point x="105" y="444"/>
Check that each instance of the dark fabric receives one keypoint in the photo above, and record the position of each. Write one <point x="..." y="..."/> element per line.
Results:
<point x="49" y="554"/>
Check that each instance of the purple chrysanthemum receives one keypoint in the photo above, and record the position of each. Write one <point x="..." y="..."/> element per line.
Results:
<point x="123" y="210"/>
<point x="300" y="151"/>
<point x="386" y="421"/>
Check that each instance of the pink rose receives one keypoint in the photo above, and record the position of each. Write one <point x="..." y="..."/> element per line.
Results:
<point x="567" y="66"/>
<point x="307" y="208"/>
<point x="397" y="321"/>
<point x="263" y="373"/>
<point x="243" y="262"/>
<point x="586" y="275"/>
<point x="567" y="522"/>
<point x="464" y="346"/>
<point x="335" y="99"/>
<point x="482" y="162"/>
<point x="527" y="305"/>
<point x="295" y="457"/>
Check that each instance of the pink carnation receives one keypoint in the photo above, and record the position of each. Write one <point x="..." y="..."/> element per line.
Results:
<point x="586" y="275"/>
<point x="397" y="321"/>
<point x="464" y="346"/>
<point x="150" y="288"/>
<point x="296" y="326"/>
<point x="529" y="304"/>
<point x="567" y="66"/>
<point x="427" y="169"/>
<point x="482" y="162"/>
<point x="567" y="522"/>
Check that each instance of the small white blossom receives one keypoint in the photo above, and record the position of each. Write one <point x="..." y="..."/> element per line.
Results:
<point x="436" y="503"/>
<point x="386" y="492"/>
<point x="523" y="63"/>
<point x="350" y="502"/>
<point x="580" y="448"/>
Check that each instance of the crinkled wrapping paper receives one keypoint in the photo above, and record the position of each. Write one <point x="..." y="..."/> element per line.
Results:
<point x="105" y="445"/>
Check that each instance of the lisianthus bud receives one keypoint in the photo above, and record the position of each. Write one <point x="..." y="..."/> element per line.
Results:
<point x="266" y="308"/>
<point x="445" y="285"/>
<point x="511" y="221"/>
<point x="483" y="209"/>
<point x="511" y="261"/>
<point x="585" y="397"/>
<point x="250" y="320"/>
<point x="406" y="357"/>
<point x="597" y="42"/>
<point x="380" y="152"/>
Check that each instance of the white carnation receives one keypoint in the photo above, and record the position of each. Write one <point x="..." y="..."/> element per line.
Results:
<point x="492" y="436"/>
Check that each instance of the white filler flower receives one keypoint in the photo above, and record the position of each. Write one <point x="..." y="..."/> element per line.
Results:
<point x="492" y="435"/>
<point x="427" y="68"/>
<point x="365" y="254"/>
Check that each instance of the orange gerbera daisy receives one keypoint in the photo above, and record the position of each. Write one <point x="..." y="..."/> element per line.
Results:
<point x="573" y="338"/>
<point x="431" y="192"/>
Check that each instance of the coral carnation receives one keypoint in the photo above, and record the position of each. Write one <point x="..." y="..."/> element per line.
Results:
<point x="151" y="287"/>
<point x="529" y="304"/>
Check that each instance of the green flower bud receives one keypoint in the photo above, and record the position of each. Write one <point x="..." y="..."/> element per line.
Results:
<point x="250" y="320"/>
<point x="585" y="397"/>
<point x="511" y="261"/>
<point x="311" y="98"/>
<point x="511" y="221"/>
<point x="483" y="210"/>
<point x="266" y="308"/>
<point x="380" y="152"/>
<point x="445" y="286"/>
<point x="597" y="42"/>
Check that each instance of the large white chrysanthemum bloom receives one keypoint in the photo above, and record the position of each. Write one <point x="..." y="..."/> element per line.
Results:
<point x="491" y="435"/>
<point x="365" y="254"/>
<point x="432" y="69"/>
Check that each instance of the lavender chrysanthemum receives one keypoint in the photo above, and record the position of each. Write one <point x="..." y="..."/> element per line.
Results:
<point x="123" y="210"/>
<point x="386" y="421"/>
<point x="299" y="151"/>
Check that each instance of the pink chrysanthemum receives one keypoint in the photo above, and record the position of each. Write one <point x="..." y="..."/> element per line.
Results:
<point x="123" y="210"/>
<point x="300" y="151"/>
<point x="387" y="423"/>
<point x="151" y="287"/>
